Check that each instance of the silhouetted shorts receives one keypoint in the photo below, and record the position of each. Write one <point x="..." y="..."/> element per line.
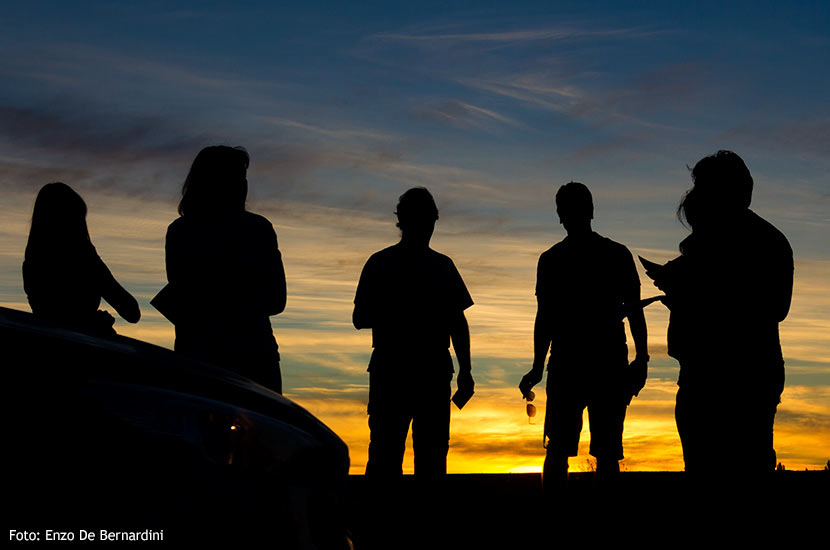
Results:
<point x="606" y="402"/>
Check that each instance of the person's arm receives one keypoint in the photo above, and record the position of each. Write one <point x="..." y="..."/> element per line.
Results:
<point x="275" y="287"/>
<point x="360" y="318"/>
<point x="541" y="346"/>
<point x="542" y="336"/>
<point x="460" y="336"/>
<point x="542" y="329"/>
<point x="639" y="333"/>
<point x="783" y="291"/>
<point x="362" y="315"/>
<point x="637" y="324"/>
<point x="115" y="294"/>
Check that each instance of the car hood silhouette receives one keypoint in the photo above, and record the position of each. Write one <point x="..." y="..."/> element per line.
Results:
<point x="126" y="434"/>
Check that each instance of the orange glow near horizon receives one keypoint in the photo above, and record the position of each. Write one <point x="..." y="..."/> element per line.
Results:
<point x="492" y="434"/>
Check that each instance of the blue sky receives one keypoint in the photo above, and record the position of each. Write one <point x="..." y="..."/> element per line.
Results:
<point x="492" y="106"/>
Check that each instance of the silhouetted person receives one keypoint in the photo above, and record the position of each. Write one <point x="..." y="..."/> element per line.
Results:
<point x="727" y="292"/>
<point x="63" y="276"/>
<point x="413" y="299"/>
<point x="585" y="285"/>
<point x="225" y="270"/>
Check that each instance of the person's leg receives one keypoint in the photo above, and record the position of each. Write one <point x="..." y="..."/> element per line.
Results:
<point x="608" y="401"/>
<point x="705" y="424"/>
<point x="753" y="441"/>
<point x="563" y="426"/>
<point x="555" y="473"/>
<point x="389" y="420"/>
<point x="606" y="417"/>
<point x="689" y="428"/>
<point x="755" y="413"/>
<point x="431" y="428"/>
<point x="430" y="516"/>
<point x="754" y="416"/>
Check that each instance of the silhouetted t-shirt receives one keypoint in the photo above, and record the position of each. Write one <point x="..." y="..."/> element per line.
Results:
<point x="224" y="271"/>
<point x="411" y="297"/>
<point x="582" y="284"/>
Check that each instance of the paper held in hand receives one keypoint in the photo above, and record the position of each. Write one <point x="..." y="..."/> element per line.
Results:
<point x="461" y="397"/>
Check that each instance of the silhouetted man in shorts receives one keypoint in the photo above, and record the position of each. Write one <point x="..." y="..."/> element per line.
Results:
<point x="413" y="299"/>
<point x="586" y="284"/>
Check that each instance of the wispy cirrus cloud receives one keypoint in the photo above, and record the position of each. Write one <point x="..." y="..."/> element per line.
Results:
<point x="464" y="115"/>
<point x="529" y="89"/>
<point x="557" y="69"/>
<point x="441" y="34"/>
<point x="71" y="64"/>
<point x="337" y="133"/>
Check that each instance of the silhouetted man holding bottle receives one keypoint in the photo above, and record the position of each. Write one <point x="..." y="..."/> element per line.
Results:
<point x="586" y="285"/>
<point x="413" y="299"/>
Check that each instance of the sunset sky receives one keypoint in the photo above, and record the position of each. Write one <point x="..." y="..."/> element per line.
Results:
<point x="490" y="105"/>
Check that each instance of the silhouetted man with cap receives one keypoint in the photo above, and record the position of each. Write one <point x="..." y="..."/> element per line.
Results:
<point x="413" y="299"/>
<point x="586" y="285"/>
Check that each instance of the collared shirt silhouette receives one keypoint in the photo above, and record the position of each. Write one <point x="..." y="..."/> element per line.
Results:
<point x="225" y="271"/>
<point x="727" y="292"/>
<point x="586" y="285"/>
<point x="413" y="299"/>
<point x="63" y="276"/>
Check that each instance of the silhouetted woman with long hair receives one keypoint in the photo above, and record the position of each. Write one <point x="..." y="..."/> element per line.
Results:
<point x="63" y="276"/>
<point x="225" y="270"/>
<point x="728" y="291"/>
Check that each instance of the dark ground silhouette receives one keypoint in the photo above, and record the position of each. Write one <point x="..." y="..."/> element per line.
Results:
<point x="647" y="509"/>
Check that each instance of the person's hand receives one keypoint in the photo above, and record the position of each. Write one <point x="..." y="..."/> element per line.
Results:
<point x="465" y="381"/>
<point x="104" y="319"/>
<point x="637" y="374"/>
<point x="529" y="380"/>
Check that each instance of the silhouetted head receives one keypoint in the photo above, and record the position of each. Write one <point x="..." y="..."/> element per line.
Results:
<point x="217" y="183"/>
<point x="575" y="206"/>
<point x="417" y="215"/>
<point x="722" y="188"/>
<point x="58" y="220"/>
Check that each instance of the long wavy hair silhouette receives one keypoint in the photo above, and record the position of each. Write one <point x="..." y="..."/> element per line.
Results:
<point x="58" y="221"/>
<point x="217" y="183"/>
<point x="63" y="276"/>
